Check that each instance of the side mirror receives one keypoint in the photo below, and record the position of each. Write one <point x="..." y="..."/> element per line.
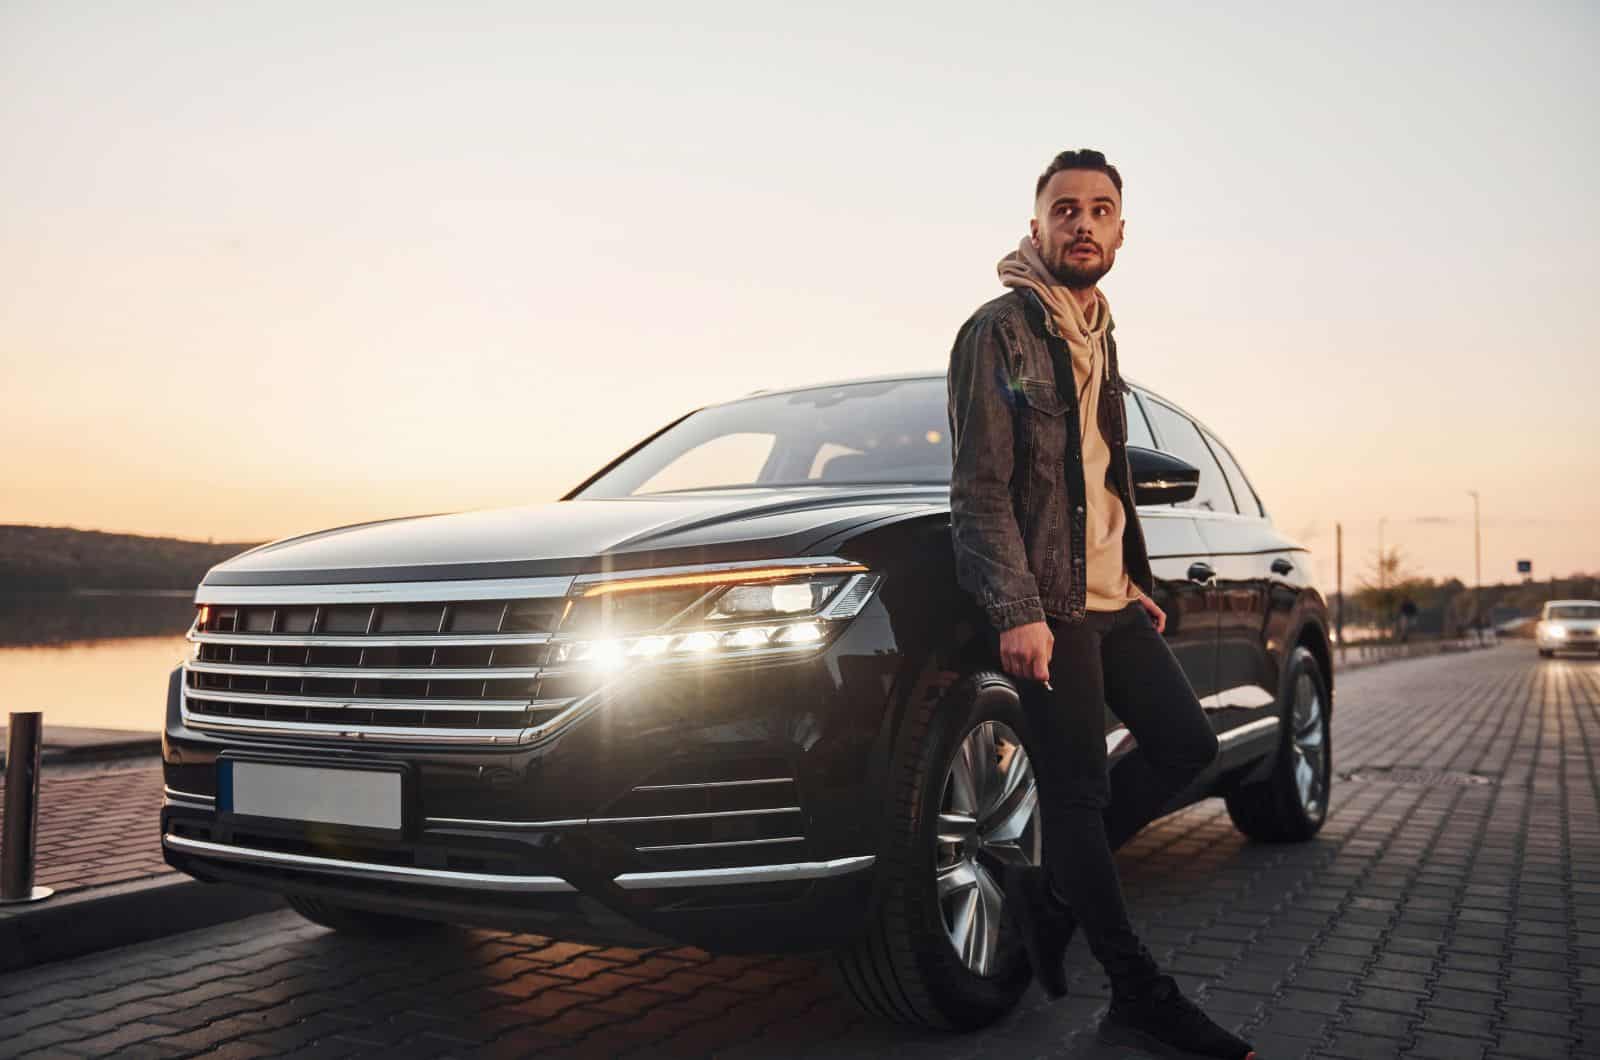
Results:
<point x="1161" y="478"/>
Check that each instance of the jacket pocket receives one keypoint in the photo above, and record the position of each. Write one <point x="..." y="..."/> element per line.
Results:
<point x="1042" y="396"/>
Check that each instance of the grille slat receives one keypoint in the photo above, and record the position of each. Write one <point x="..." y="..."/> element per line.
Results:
<point x="335" y="641"/>
<point x="697" y="813"/>
<point x="363" y="672"/>
<point x="463" y="705"/>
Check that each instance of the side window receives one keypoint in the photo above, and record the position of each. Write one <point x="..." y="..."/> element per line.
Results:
<point x="1138" y="429"/>
<point x="1249" y="503"/>
<point x="1181" y="438"/>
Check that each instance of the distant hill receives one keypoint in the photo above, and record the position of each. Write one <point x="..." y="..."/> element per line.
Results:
<point x="56" y="558"/>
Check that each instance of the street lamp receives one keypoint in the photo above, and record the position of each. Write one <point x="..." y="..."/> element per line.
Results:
<point x="1477" y="564"/>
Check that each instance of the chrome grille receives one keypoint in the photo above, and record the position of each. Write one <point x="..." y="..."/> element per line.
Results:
<point x="316" y="662"/>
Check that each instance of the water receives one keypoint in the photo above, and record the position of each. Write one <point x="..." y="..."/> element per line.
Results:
<point x="91" y="659"/>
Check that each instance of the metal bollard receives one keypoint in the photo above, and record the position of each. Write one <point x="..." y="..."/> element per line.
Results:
<point x="22" y="810"/>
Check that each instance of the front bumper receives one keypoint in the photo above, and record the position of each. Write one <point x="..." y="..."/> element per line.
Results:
<point x="719" y="808"/>
<point x="1576" y="641"/>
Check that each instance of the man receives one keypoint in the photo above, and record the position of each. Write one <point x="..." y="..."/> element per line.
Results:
<point x="1047" y="539"/>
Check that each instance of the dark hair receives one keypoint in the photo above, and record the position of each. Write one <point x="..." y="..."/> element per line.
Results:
<point x="1082" y="158"/>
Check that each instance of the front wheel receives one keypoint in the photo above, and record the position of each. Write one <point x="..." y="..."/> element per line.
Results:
<point x="940" y="951"/>
<point x="1545" y="653"/>
<point x="1291" y="804"/>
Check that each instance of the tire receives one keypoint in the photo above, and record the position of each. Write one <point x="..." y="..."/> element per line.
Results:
<point x="906" y="968"/>
<point x="1279" y="809"/>
<point x="1545" y="653"/>
<point x="348" y="920"/>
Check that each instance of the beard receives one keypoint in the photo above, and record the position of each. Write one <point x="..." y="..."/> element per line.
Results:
<point x="1079" y="277"/>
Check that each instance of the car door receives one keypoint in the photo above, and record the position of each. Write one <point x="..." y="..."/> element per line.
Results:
<point x="1241" y="543"/>
<point x="1182" y="566"/>
<point x="1180" y="562"/>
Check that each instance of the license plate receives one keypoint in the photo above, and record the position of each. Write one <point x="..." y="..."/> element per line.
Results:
<point x="351" y="798"/>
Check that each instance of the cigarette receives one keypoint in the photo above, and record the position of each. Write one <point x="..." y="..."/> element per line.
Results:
<point x="1048" y="687"/>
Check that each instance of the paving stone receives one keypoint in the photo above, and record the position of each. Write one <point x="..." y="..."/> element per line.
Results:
<point x="1533" y="1046"/>
<point x="1429" y="1046"/>
<point x="1349" y="1045"/>
<point x="46" y="1038"/>
<point x="112" y="1042"/>
<point x="1387" y="1000"/>
<point x="1375" y="1021"/>
<point x="1454" y="1022"/>
<point x="1536" y="1021"/>
<point x="1545" y="1000"/>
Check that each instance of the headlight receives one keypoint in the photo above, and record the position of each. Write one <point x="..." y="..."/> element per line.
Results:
<point x="1555" y="631"/>
<point x="709" y="615"/>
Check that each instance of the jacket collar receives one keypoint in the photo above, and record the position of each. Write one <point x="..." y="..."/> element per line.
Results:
<point x="1040" y="320"/>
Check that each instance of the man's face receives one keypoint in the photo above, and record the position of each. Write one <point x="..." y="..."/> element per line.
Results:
<point x="1077" y="226"/>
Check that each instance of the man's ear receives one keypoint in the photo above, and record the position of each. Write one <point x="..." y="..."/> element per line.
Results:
<point x="1033" y="230"/>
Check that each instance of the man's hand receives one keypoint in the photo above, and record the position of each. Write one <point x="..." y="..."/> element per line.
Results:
<point x="1025" y="651"/>
<point x="1158" y="616"/>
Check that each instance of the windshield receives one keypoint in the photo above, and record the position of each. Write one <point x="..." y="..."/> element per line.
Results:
<point x="1574" y="611"/>
<point x="893" y="432"/>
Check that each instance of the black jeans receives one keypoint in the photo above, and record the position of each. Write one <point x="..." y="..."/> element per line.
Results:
<point x="1113" y="658"/>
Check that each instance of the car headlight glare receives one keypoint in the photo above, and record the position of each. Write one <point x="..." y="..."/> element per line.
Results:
<point x="736" y="613"/>
<point x="749" y="637"/>
<point x="649" y="647"/>
<point x="1556" y="631"/>
<point x="800" y="633"/>
<point x="695" y="643"/>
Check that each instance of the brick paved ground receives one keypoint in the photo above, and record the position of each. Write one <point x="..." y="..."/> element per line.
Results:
<point x="1433" y="918"/>
<point x="98" y="825"/>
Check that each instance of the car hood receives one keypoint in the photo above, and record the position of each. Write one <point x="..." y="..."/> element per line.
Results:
<point x="578" y="536"/>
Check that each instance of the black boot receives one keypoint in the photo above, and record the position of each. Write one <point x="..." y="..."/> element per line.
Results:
<point x="1157" y="1017"/>
<point x="1045" y="925"/>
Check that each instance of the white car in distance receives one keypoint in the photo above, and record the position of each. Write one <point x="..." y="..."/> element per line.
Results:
<point x="1568" y="625"/>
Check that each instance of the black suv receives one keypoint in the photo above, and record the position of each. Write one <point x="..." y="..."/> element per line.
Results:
<point x="725" y="692"/>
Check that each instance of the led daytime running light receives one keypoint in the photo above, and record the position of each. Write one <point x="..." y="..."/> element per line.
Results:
<point x="727" y="577"/>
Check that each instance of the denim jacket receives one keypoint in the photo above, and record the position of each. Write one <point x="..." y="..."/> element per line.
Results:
<point x="1016" y="488"/>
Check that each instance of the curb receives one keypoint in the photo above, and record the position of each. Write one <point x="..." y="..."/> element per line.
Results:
<point x="1343" y="665"/>
<point x="101" y="918"/>
<point x="64" y="745"/>
<point x="105" y="752"/>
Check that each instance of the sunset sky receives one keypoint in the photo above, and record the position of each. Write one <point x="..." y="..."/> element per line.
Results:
<point x="271" y="267"/>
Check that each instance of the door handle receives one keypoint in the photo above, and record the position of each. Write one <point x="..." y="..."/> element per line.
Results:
<point x="1281" y="566"/>
<point x="1201" y="572"/>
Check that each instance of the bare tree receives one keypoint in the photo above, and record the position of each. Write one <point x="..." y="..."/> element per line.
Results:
<point x="1387" y="581"/>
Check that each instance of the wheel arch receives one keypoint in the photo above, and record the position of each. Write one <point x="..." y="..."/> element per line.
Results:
<point x="1312" y="636"/>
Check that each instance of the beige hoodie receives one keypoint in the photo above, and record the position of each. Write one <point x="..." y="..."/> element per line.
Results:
<point x="1107" y="586"/>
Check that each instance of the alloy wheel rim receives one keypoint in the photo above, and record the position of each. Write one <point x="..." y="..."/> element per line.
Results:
<point x="988" y="819"/>
<point x="1308" y="747"/>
